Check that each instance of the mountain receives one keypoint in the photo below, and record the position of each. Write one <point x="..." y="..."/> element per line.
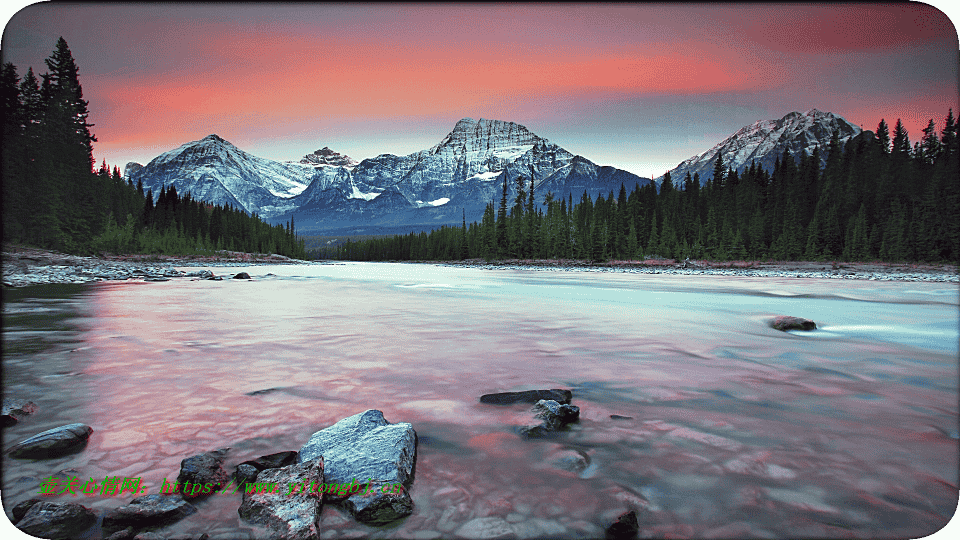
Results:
<point x="326" y="156"/>
<point x="218" y="172"/>
<point x="327" y="192"/>
<point x="765" y="141"/>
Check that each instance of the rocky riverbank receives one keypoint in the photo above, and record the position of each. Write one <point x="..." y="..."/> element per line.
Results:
<point x="877" y="271"/>
<point x="32" y="266"/>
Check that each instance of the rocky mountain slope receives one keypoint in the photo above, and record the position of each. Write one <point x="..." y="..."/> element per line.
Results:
<point x="763" y="142"/>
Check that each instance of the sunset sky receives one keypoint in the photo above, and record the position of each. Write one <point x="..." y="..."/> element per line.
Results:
<point x="640" y="87"/>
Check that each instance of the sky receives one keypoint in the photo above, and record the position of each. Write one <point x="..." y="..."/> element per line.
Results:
<point x="640" y="87"/>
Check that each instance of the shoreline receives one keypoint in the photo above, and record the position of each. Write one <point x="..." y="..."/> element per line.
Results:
<point x="871" y="271"/>
<point x="24" y="266"/>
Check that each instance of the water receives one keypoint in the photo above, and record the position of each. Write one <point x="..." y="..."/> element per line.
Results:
<point x="732" y="428"/>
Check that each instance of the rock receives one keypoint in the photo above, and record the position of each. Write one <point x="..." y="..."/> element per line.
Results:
<point x="57" y="520"/>
<point x="293" y="510"/>
<point x="527" y="396"/>
<point x="554" y="415"/>
<point x="569" y="459"/>
<point x="247" y="471"/>
<point x="364" y="447"/>
<point x="14" y="410"/>
<point x="620" y="417"/>
<point x="54" y="442"/>
<point x="273" y="461"/>
<point x="149" y="536"/>
<point x="625" y="528"/>
<point x="203" y="470"/>
<point x="242" y="275"/>
<point x="380" y="503"/>
<point x="486" y="528"/>
<point x="244" y="474"/>
<point x="22" y="508"/>
<point x="123" y="534"/>
<point x="148" y="511"/>
<point x="785" y="323"/>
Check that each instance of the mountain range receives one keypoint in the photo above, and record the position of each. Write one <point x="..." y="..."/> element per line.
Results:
<point x="326" y="192"/>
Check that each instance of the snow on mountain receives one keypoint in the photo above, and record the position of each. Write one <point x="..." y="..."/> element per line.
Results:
<point x="329" y="191"/>
<point x="216" y="171"/>
<point x="327" y="157"/>
<point x="764" y="141"/>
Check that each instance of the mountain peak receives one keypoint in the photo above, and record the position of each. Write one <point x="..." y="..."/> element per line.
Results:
<point x="326" y="156"/>
<point x="487" y="134"/>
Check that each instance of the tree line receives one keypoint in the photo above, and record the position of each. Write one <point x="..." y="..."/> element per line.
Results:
<point x="54" y="198"/>
<point x="876" y="198"/>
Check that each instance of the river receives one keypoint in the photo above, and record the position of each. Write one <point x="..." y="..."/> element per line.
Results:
<point x="721" y="427"/>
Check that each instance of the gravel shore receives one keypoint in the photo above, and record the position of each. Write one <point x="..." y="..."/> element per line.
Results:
<point x="31" y="266"/>
<point x="876" y="271"/>
<point x="24" y="266"/>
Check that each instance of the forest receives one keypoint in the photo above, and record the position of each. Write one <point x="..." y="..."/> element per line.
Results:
<point x="877" y="198"/>
<point x="54" y="197"/>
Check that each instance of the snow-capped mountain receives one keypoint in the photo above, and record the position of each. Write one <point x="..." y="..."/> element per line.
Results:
<point x="218" y="172"/>
<point x="455" y="178"/>
<point x="326" y="156"/>
<point x="763" y="142"/>
<point x="327" y="192"/>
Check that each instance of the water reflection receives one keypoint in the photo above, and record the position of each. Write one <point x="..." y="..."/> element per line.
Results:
<point x="693" y="410"/>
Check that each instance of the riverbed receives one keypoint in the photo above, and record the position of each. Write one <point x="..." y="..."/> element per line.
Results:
<point x="694" y="412"/>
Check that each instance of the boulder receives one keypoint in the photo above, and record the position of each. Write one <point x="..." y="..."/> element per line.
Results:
<point x="242" y="275"/>
<point x="379" y="503"/>
<point x="785" y="323"/>
<point x="204" y="469"/>
<point x="54" y="442"/>
<point x="554" y="415"/>
<point x="22" y="508"/>
<point x="247" y="471"/>
<point x="625" y="528"/>
<point x="292" y="511"/>
<point x="56" y="520"/>
<point x="365" y="448"/>
<point x="527" y="396"/>
<point x="146" y="512"/>
<point x="14" y="410"/>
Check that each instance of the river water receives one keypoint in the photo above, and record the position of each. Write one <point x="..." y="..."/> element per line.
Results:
<point x="722" y="427"/>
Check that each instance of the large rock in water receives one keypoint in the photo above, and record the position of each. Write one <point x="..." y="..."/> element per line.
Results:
<point x="248" y="470"/>
<point x="554" y="415"/>
<point x="56" y="520"/>
<point x="365" y="448"/>
<point x="55" y="442"/>
<point x="292" y="511"/>
<point x="527" y="396"/>
<point x="204" y="469"/>
<point x="147" y="512"/>
<point x="785" y="323"/>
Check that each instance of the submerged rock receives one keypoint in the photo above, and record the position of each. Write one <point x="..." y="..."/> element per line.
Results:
<point x="55" y="442"/>
<point x="292" y="511"/>
<point x="527" y="396"/>
<point x="203" y="470"/>
<point x="56" y="520"/>
<point x="15" y="410"/>
<point x="365" y="448"/>
<point x="625" y="528"/>
<point x="487" y="528"/>
<point x="242" y="275"/>
<point x="785" y="323"/>
<point x="147" y="512"/>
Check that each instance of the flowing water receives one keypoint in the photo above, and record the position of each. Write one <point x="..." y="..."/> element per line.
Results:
<point x="693" y="410"/>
